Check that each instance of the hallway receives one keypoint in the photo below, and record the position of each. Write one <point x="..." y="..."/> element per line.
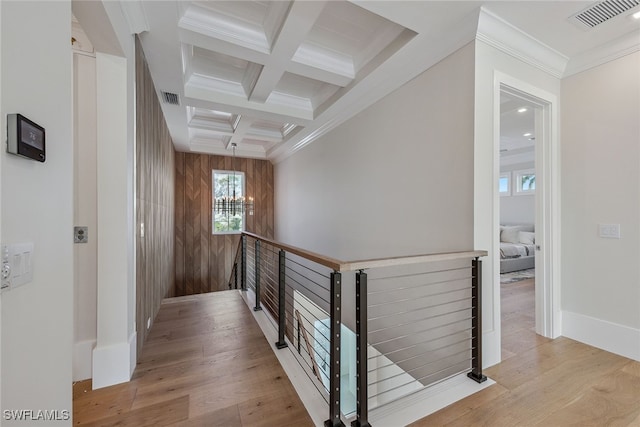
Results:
<point x="198" y="368"/>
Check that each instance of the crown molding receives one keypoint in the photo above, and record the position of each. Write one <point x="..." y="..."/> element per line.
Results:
<point x="622" y="46"/>
<point x="135" y="15"/>
<point x="503" y="36"/>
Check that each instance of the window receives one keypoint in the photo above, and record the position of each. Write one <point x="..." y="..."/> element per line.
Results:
<point x="228" y="193"/>
<point x="504" y="184"/>
<point x="525" y="181"/>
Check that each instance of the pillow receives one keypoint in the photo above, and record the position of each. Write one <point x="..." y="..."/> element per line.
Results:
<point x="510" y="235"/>
<point x="526" y="237"/>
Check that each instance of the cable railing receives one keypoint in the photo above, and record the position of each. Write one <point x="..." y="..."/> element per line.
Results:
<point x="409" y="323"/>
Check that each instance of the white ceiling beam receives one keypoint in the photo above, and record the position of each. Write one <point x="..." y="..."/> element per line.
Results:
<point x="300" y="19"/>
<point x="221" y="46"/>
<point x="241" y="130"/>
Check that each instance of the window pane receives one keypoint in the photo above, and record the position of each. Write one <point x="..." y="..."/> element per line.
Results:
<point x="228" y="216"/>
<point x="504" y="184"/>
<point x="528" y="182"/>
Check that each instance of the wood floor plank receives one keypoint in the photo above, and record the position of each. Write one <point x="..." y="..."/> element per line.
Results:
<point x="205" y="363"/>
<point x="167" y="413"/>
<point x="545" y="382"/>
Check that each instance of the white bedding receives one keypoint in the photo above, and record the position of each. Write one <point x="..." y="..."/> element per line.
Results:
<point x="516" y="250"/>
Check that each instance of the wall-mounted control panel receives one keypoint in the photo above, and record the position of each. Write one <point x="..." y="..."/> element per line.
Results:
<point x="17" y="265"/>
<point x="609" y="231"/>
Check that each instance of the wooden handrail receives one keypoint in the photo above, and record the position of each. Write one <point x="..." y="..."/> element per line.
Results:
<point x="343" y="266"/>
<point x="328" y="262"/>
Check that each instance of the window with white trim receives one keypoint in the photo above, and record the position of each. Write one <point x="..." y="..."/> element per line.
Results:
<point x="228" y="193"/>
<point x="525" y="181"/>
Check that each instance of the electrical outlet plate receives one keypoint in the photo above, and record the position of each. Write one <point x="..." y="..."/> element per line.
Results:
<point x="80" y="234"/>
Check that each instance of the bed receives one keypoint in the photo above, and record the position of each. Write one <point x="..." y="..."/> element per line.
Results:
<point x="517" y="247"/>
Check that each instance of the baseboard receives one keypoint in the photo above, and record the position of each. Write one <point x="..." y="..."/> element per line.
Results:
<point x="609" y="336"/>
<point x="133" y="352"/>
<point x="83" y="359"/>
<point x="111" y="364"/>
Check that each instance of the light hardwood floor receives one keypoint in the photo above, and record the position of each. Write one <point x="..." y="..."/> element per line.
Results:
<point x="205" y="363"/>
<point x="543" y="382"/>
<point x="197" y="369"/>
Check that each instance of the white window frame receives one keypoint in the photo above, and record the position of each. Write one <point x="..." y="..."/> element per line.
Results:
<point x="518" y="180"/>
<point x="506" y="175"/>
<point x="213" y="213"/>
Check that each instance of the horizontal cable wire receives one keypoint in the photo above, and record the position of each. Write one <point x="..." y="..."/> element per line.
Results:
<point x="419" y="298"/>
<point x="419" y="309"/>
<point x="418" y="380"/>
<point x="422" y="354"/>
<point x="421" y="285"/>
<point x="425" y="318"/>
<point x="302" y="286"/>
<point x="289" y="270"/>
<point x="319" y="273"/>
<point x="433" y="328"/>
<point x="416" y="345"/>
<point x="419" y="274"/>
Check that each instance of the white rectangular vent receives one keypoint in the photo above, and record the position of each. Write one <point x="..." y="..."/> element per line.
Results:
<point x="171" y="98"/>
<point x="603" y="11"/>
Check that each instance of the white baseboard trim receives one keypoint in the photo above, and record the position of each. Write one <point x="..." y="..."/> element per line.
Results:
<point x="133" y="352"/>
<point x="83" y="359"/>
<point x="609" y="336"/>
<point x="399" y="413"/>
<point x="112" y="364"/>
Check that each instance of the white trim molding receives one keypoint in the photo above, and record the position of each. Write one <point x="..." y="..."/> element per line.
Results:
<point x="83" y="359"/>
<point x="503" y="36"/>
<point x="609" y="336"/>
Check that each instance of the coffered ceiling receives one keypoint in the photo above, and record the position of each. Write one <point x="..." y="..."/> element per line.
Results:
<point x="272" y="76"/>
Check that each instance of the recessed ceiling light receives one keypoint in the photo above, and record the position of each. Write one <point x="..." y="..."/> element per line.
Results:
<point x="636" y="15"/>
<point x="527" y="134"/>
<point x="522" y="110"/>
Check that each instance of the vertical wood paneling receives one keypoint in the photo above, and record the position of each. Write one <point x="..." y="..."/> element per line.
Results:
<point x="203" y="260"/>
<point x="155" y="206"/>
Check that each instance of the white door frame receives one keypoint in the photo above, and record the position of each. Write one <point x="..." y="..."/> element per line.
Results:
<point x="547" y="296"/>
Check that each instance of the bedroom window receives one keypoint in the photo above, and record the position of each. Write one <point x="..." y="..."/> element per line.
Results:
<point x="525" y="181"/>
<point x="504" y="184"/>
<point x="227" y="187"/>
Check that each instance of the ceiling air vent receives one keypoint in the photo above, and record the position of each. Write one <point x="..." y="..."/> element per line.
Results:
<point x="603" y="11"/>
<point x="170" y="98"/>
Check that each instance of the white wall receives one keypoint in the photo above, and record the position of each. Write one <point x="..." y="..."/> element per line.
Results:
<point x="601" y="181"/>
<point x="397" y="179"/>
<point x="493" y="65"/>
<point x="85" y="214"/>
<point x="37" y="206"/>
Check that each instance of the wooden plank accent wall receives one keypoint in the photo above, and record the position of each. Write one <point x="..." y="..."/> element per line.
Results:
<point x="204" y="261"/>
<point x="155" y="168"/>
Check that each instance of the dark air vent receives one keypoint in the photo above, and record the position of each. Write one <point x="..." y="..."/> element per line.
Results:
<point x="171" y="98"/>
<point x="603" y="11"/>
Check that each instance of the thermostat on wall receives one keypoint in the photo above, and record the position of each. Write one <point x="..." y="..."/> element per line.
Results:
<point x="25" y="138"/>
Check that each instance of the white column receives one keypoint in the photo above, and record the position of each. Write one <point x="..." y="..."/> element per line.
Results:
<point x="115" y="353"/>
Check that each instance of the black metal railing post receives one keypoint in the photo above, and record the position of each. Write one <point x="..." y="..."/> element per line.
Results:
<point x="243" y="274"/>
<point x="282" y="324"/>
<point x="476" y="313"/>
<point x="335" y="319"/>
<point x="235" y="275"/>
<point x="257" y="276"/>
<point x="362" y="395"/>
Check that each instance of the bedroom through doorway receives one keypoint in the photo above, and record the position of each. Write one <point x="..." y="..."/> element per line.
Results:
<point x="517" y="201"/>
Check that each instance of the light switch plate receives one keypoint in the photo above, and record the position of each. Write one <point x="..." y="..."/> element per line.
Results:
<point x="609" y="231"/>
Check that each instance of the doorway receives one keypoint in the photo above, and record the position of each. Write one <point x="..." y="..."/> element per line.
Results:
<point x="517" y="210"/>
<point x="540" y="183"/>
